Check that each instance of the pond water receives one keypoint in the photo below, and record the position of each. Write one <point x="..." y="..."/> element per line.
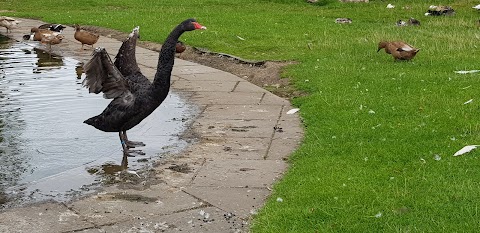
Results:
<point x="45" y="148"/>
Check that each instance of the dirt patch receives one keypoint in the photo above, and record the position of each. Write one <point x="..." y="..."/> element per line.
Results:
<point x="265" y="74"/>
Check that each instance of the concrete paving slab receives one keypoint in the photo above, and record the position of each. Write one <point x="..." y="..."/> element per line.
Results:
<point x="206" y="219"/>
<point x="279" y="148"/>
<point x="237" y="98"/>
<point x="248" y="87"/>
<point x="247" y="200"/>
<point x="181" y="171"/>
<point x="48" y="217"/>
<point x="271" y="99"/>
<point x="233" y="148"/>
<point x="236" y="173"/>
<point x="194" y="69"/>
<point x="235" y="128"/>
<point x="124" y="205"/>
<point x="194" y="85"/>
<point x="242" y="112"/>
<point x="213" y="76"/>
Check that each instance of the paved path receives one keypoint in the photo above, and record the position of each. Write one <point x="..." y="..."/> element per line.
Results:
<point x="237" y="157"/>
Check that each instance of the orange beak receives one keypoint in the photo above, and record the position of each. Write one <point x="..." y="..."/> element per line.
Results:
<point x="199" y="26"/>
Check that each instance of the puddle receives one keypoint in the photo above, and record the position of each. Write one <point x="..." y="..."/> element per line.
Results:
<point x="46" y="151"/>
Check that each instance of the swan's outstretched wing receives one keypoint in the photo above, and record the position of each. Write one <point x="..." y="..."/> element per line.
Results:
<point x="103" y="76"/>
<point x="125" y="61"/>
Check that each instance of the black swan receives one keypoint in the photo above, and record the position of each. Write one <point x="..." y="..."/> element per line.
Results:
<point x="134" y="96"/>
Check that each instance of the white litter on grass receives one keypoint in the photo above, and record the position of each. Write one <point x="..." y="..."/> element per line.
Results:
<point x="390" y="6"/>
<point x="437" y="157"/>
<point x="293" y="110"/>
<point x="468" y="101"/>
<point x="477" y="7"/>
<point x="465" y="150"/>
<point x="378" y="215"/>
<point x="240" y="38"/>
<point x="279" y="199"/>
<point x="466" y="71"/>
<point x="371" y="112"/>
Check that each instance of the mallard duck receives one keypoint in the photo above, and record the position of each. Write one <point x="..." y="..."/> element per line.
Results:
<point x="180" y="47"/>
<point x="440" y="10"/>
<point x="401" y="23"/>
<point x="399" y="49"/>
<point x="413" y="22"/>
<point x="52" y="27"/>
<point x="8" y="23"/>
<point x="133" y="95"/>
<point x="343" y="20"/>
<point x="85" y="37"/>
<point x="38" y="33"/>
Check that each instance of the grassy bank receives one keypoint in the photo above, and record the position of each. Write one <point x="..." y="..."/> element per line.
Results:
<point x="380" y="135"/>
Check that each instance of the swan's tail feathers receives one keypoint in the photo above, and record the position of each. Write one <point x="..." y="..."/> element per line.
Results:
<point x="134" y="32"/>
<point x="126" y="61"/>
<point x="89" y="121"/>
<point x="97" y="50"/>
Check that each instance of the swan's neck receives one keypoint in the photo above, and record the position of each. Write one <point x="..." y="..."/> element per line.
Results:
<point x="166" y="59"/>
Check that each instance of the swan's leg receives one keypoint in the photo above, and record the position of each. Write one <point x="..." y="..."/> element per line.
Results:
<point x="132" y="144"/>
<point x="126" y="149"/>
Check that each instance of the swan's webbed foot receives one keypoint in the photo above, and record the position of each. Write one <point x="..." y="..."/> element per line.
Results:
<point x="133" y="144"/>
<point x="127" y="144"/>
<point x="132" y="153"/>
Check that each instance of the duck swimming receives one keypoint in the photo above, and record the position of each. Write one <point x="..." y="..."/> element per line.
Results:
<point x="134" y="96"/>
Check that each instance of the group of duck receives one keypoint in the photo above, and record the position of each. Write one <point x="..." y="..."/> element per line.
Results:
<point x="51" y="34"/>
<point x="403" y="51"/>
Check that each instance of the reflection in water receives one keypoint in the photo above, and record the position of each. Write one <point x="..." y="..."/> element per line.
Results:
<point x="79" y="71"/>
<point x="13" y="163"/>
<point x="46" y="61"/>
<point x="45" y="149"/>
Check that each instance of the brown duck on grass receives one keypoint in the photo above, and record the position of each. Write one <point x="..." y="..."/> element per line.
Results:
<point x="8" y="23"/>
<point x="85" y="37"/>
<point x="399" y="49"/>
<point x="180" y="47"/>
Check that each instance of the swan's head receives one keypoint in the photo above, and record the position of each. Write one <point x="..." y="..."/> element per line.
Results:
<point x="192" y="24"/>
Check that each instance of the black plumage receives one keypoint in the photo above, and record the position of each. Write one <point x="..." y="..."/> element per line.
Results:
<point x="134" y="96"/>
<point x="52" y="27"/>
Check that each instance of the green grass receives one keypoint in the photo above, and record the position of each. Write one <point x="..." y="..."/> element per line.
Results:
<point x="372" y="126"/>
